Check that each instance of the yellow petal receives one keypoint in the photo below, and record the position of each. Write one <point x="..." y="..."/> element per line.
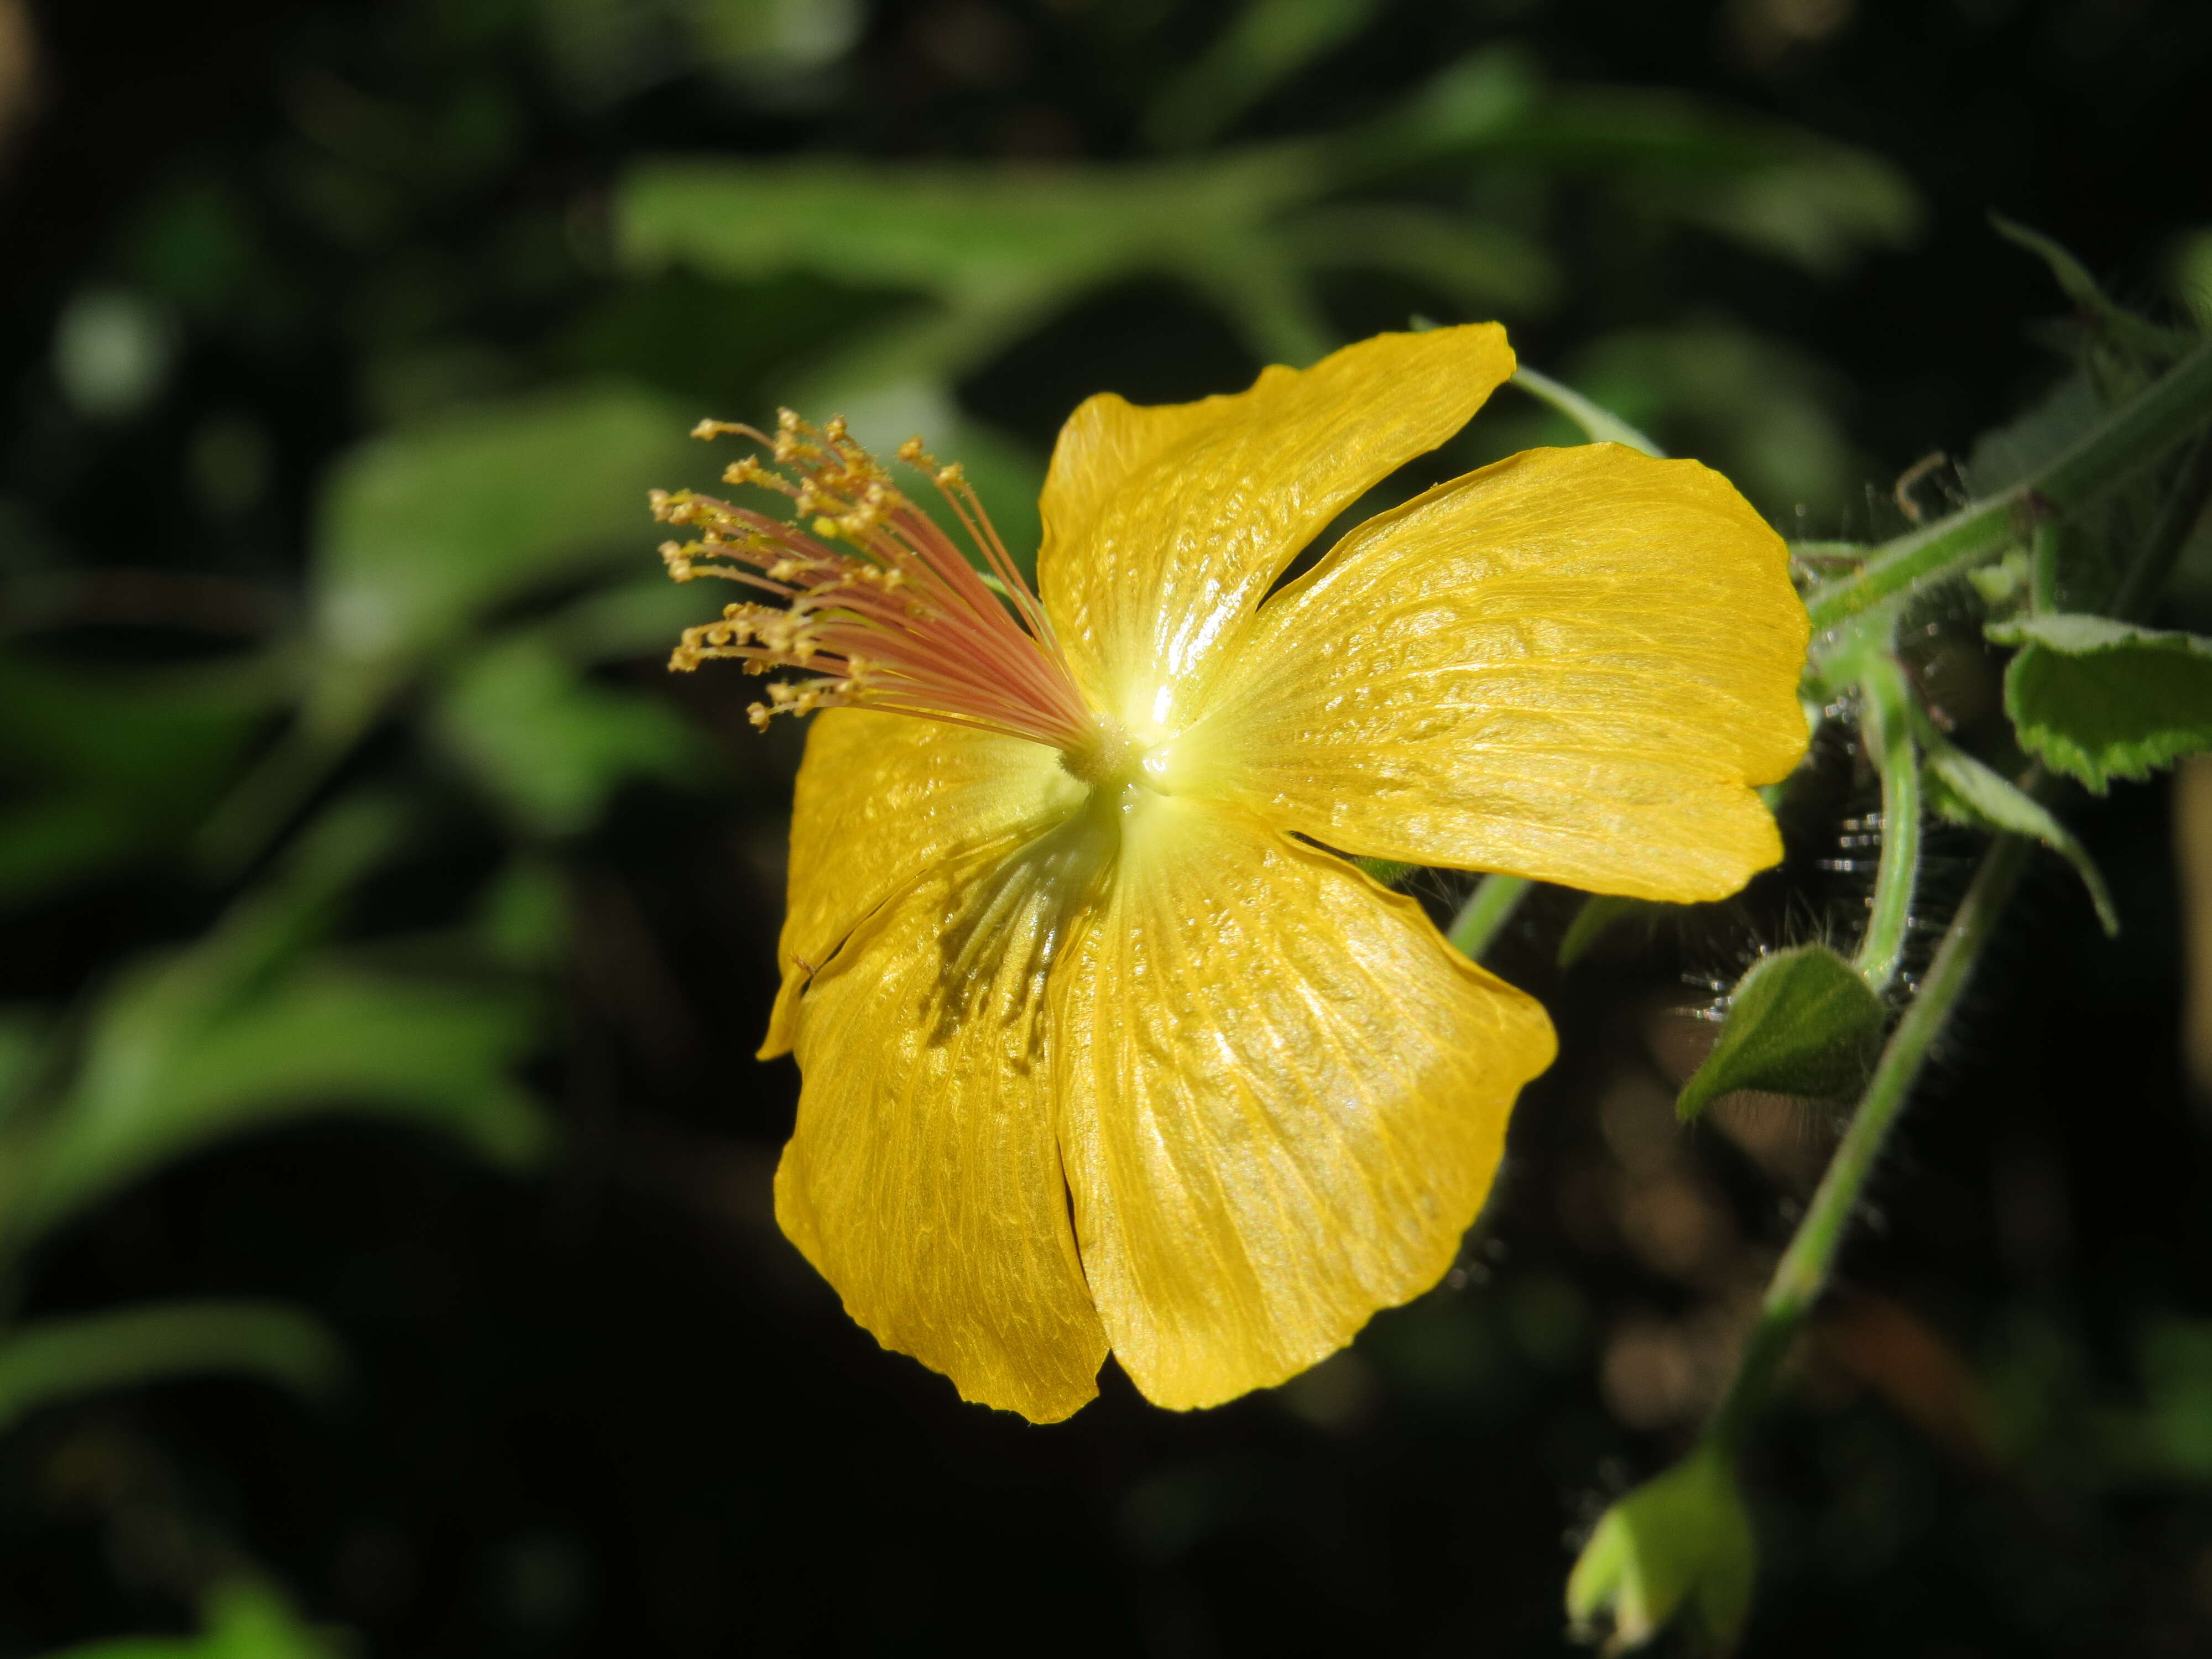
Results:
<point x="883" y="799"/>
<point x="923" y="1179"/>
<point x="1163" y="526"/>
<point x="1283" y="1098"/>
<point x="1569" y="665"/>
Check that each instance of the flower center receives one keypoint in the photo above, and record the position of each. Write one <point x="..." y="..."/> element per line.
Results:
<point x="877" y="602"/>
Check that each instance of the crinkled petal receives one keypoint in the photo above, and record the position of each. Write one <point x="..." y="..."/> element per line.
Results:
<point x="1571" y="666"/>
<point x="923" y="1179"/>
<point x="1163" y="526"/>
<point x="1282" y="1100"/>
<point x="885" y="799"/>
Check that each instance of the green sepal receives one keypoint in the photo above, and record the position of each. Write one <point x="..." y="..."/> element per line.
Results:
<point x="2098" y="700"/>
<point x="1801" y="1022"/>
<point x="1679" y="1546"/>
<point x="1964" y="790"/>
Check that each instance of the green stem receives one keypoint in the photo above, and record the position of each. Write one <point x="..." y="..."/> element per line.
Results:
<point x="1805" y="1266"/>
<point x="2043" y="568"/>
<point x="2130" y="438"/>
<point x="1886" y="725"/>
<point x="1484" y="916"/>
<point x="1600" y="426"/>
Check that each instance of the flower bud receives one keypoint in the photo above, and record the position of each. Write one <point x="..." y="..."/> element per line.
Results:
<point x="1679" y="1545"/>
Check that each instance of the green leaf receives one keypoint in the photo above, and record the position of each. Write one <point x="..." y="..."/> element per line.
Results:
<point x="1801" y="1022"/>
<point x="1679" y="1548"/>
<point x="2046" y="429"/>
<point x="1778" y="191"/>
<point x="2098" y="700"/>
<point x="160" y="1083"/>
<point x="957" y="232"/>
<point x="245" y="1030"/>
<point x="54" y="1359"/>
<point x="424" y="528"/>
<point x="1755" y="407"/>
<point x="550" y="747"/>
<point x="1964" y="790"/>
<point x="244" y="1620"/>
<point x="111" y="767"/>
<point x="1481" y="99"/>
<point x="1266" y="42"/>
<point x="1483" y="267"/>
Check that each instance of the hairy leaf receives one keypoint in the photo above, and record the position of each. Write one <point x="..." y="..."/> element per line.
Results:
<point x="1801" y="1022"/>
<point x="2098" y="700"/>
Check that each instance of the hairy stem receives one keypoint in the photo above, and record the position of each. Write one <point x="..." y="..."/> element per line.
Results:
<point x="1484" y="916"/>
<point x="1885" y="723"/>
<point x="1805" y="1266"/>
<point x="2129" y="438"/>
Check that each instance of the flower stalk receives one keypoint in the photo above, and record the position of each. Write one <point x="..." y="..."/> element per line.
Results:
<point x="1483" y="917"/>
<point x="1805" y="1265"/>
<point x="1885" y="723"/>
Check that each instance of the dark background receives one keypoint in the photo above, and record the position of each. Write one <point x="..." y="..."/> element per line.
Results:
<point x="607" y="1410"/>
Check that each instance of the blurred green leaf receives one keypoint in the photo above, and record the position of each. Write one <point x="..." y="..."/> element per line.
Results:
<point x="2176" y="1432"/>
<point x="1801" y="1022"/>
<point x="2046" y="429"/>
<point x="550" y="747"/>
<point x="1482" y="98"/>
<point x="1000" y="250"/>
<point x="423" y="529"/>
<point x="26" y="1049"/>
<point x="59" y="1358"/>
<point x="1760" y="411"/>
<point x="243" y="1029"/>
<point x="1778" y="191"/>
<point x="2190" y="271"/>
<point x="113" y="765"/>
<point x="1680" y="1546"/>
<point x="244" y="1620"/>
<point x="2097" y="699"/>
<point x="159" y="1082"/>
<point x="1264" y="45"/>
<point x="1964" y="790"/>
<point x="1484" y="266"/>
<point x="523" y="915"/>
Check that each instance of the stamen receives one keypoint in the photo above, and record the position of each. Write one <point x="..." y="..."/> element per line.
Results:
<point x="881" y="606"/>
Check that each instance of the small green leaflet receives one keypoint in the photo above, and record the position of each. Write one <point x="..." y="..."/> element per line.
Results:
<point x="1801" y="1022"/>
<point x="2097" y="699"/>
<point x="1964" y="790"/>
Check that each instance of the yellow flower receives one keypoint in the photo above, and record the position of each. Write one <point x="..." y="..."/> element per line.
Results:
<point x="1102" y="1048"/>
